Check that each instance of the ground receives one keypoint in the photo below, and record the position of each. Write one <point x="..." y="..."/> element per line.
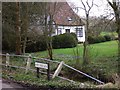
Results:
<point x="7" y="84"/>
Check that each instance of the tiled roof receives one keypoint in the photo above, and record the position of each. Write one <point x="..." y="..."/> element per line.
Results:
<point x="66" y="16"/>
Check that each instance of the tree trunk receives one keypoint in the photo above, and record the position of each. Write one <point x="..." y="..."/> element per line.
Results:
<point x="18" y="37"/>
<point x="85" y="44"/>
<point x="25" y="28"/>
<point x="117" y="17"/>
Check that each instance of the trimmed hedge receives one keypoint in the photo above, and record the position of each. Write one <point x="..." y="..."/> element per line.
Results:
<point x="65" y="40"/>
<point x="99" y="39"/>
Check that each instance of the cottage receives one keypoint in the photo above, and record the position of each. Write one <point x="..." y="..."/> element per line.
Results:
<point x="67" y="21"/>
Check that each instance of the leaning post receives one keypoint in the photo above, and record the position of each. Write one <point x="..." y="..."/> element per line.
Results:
<point x="29" y="59"/>
<point x="7" y="59"/>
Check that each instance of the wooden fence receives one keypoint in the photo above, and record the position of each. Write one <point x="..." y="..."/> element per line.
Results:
<point x="29" y="61"/>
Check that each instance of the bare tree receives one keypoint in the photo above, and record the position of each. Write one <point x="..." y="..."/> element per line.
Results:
<point x="18" y="37"/>
<point x="25" y="26"/>
<point x="51" y="9"/>
<point x="87" y="8"/>
<point x="116" y="8"/>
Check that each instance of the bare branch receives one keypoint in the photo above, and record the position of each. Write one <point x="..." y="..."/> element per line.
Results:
<point x="84" y="6"/>
<point x="113" y="5"/>
<point x="90" y="7"/>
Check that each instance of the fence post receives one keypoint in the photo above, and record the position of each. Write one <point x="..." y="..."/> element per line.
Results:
<point x="29" y="59"/>
<point x="58" y="70"/>
<point x="7" y="59"/>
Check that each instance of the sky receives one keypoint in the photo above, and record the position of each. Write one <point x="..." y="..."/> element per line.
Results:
<point x="101" y="7"/>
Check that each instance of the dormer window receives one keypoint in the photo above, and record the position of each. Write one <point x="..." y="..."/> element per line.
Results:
<point x="69" y="18"/>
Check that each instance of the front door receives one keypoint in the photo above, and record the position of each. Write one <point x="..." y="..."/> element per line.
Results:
<point x="67" y="30"/>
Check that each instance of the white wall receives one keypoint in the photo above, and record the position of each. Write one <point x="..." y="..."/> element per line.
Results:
<point x="72" y="29"/>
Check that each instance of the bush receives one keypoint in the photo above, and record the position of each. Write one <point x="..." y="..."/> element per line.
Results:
<point x="75" y="36"/>
<point x="91" y="39"/>
<point x="64" y="41"/>
<point x="108" y="37"/>
<point x="99" y="39"/>
<point x="34" y="46"/>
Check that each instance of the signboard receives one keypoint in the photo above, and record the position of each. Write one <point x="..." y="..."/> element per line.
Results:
<point x="41" y="65"/>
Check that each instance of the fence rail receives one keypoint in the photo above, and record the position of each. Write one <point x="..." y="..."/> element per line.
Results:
<point x="28" y="65"/>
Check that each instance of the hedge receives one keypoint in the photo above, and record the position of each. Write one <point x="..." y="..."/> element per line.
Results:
<point x="99" y="39"/>
<point x="65" y="40"/>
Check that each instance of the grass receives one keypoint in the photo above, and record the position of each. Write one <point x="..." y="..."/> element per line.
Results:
<point x="32" y="80"/>
<point x="103" y="57"/>
<point x="106" y="49"/>
<point x="109" y="33"/>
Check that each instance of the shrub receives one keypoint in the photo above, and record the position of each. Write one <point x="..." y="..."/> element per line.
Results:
<point x="108" y="37"/>
<point x="64" y="41"/>
<point x="75" y="36"/>
<point x="92" y="39"/>
<point x="100" y="39"/>
<point x="34" y="46"/>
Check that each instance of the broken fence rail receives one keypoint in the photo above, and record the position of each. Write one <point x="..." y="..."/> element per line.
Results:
<point x="75" y="70"/>
<point x="59" y="63"/>
<point x="41" y="72"/>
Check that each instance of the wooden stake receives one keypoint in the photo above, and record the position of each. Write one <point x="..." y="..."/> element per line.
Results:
<point x="7" y="59"/>
<point x="48" y="72"/>
<point x="58" y="70"/>
<point x="28" y="63"/>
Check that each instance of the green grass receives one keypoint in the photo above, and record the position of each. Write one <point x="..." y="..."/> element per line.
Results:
<point x="106" y="49"/>
<point x="32" y="80"/>
<point x="109" y="33"/>
<point x="103" y="61"/>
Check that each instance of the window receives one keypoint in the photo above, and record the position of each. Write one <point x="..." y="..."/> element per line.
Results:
<point x="79" y="32"/>
<point x="59" y="31"/>
<point x="67" y="30"/>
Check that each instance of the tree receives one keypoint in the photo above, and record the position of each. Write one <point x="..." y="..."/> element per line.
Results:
<point x="25" y="25"/>
<point x="18" y="37"/>
<point x="86" y="7"/>
<point x="116" y="8"/>
<point x="50" y="9"/>
<point x="18" y="17"/>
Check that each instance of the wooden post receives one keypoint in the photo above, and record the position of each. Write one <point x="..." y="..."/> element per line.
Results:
<point x="28" y="63"/>
<point x="58" y="70"/>
<point x="7" y="59"/>
<point x="37" y="72"/>
<point x="48" y="72"/>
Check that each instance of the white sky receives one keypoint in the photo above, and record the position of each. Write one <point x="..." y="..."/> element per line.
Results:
<point x="102" y="7"/>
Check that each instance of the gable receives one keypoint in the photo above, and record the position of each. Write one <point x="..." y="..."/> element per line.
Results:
<point x="66" y="16"/>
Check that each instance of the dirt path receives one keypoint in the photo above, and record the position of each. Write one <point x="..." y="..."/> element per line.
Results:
<point x="7" y="85"/>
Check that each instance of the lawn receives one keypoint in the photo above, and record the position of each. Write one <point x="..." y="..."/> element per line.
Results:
<point x="103" y="57"/>
<point x="109" y="33"/>
<point x="99" y="50"/>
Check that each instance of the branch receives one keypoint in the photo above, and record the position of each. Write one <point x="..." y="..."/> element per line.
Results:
<point x="113" y="5"/>
<point x="90" y="6"/>
<point x="84" y="6"/>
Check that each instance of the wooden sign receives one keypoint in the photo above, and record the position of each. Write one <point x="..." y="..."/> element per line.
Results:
<point x="41" y="65"/>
